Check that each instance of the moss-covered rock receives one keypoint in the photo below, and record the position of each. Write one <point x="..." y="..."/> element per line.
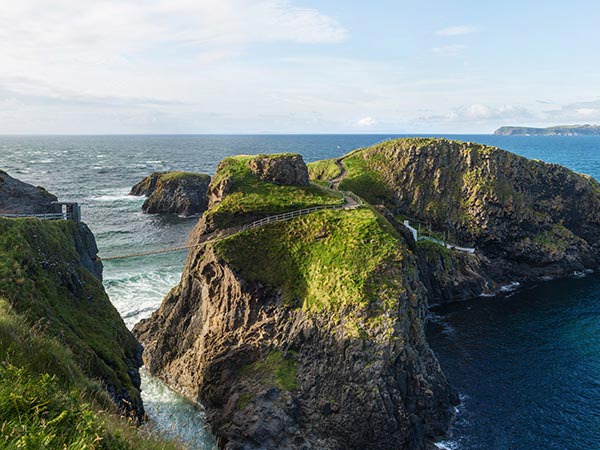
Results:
<point x="47" y="402"/>
<point x="182" y="193"/>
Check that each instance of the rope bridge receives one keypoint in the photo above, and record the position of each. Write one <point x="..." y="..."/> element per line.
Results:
<point x="352" y="202"/>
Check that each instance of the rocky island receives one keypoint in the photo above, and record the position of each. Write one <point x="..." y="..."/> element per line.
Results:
<point x="309" y="333"/>
<point x="181" y="193"/>
<point x="69" y="372"/>
<point x="559" y="130"/>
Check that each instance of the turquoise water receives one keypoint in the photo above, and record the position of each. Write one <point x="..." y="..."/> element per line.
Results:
<point x="526" y="365"/>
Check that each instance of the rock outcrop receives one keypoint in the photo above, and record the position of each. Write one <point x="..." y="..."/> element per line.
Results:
<point x="527" y="219"/>
<point x="174" y="192"/>
<point x="285" y="169"/>
<point x="17" y="197"/>
<point x="306" y="334"/>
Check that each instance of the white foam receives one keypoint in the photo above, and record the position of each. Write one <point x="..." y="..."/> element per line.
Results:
<point x="511" y="287"/>
<point x="447" y="445"/>
<point x="116" y="196"/>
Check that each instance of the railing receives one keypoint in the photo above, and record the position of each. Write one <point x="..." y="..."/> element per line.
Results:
<point x="48" y="216"/>
<point x="415" y="234"/>
<point x="288" y="216"/>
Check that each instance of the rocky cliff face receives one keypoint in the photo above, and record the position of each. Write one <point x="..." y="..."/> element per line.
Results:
<point x="286" y="169"/>
<point x="174" y="192"/>
<point x="17" y="197"/>
<point x="527" y="219"/>
<point x="303" y="334"/>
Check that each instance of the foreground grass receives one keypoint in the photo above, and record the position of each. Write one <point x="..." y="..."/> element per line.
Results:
<point x="41" y="277"/>
<point x="46" y="402"/>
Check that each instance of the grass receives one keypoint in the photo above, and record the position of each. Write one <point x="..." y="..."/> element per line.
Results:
<point x="276" y="368"/>
<point x="40" y="276"/>
<point x="324" y="261"/>
<point x="46" y="402"/>
<point x="323" y="171"/>
<point x="178" y="175"/>
<point x="249" y="197"/>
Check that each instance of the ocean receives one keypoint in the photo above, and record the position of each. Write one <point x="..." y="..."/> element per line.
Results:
<point x="527" y="366"/>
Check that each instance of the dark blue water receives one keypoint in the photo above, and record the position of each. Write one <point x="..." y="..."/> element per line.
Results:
<point x="526" y="366"/>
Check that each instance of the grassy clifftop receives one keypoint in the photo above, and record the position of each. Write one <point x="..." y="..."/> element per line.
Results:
<point x="331" y="260"/>
<point x="243" y="195"/>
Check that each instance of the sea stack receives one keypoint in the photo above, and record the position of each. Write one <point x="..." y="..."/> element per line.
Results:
<point x="181" y="193"/>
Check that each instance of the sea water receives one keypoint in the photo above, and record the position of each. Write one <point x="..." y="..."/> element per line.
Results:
<point x="527" y="366"/>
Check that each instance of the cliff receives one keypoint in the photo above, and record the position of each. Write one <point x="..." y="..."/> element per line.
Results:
<point x="173" y="192"/>
<point x="301" y="334"/>
<point x="560" y="130"/>
<point x="17" y="197"/>
<point x="69" y="364"/>
<point x="528" y="220"/>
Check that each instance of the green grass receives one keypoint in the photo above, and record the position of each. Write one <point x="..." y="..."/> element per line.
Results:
<point x="277" y="369"/>
<point x="363" y="178"/>
<point x="46" y="402"/>
<point x="41" y="277"/>
<point x="324" y="261"/>
<point x="178" y="175"/>
<point x="249" y="197"/>
<point x="323" y="170"/>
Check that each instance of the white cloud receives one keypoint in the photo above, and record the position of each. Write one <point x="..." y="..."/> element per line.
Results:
<point x="449" y="50"/>
<point x="588" y="112"/>
<point x="366" y="122"/>
<point x="457" y="30"/>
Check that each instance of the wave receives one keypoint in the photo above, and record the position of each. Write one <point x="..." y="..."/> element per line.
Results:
<point x="137" y="295"/>
<point x="113" y="196"/>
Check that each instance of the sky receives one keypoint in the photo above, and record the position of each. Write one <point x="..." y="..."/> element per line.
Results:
<point x="296" y="66"/>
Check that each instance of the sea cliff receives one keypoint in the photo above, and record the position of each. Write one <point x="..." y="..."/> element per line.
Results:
<point x="301" y="334"/>
<point x="69" y="364"/>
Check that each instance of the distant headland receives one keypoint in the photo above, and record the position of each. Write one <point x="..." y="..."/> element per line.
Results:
<point x="559" y="130"/>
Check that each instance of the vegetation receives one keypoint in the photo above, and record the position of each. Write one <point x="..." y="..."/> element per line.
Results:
<point x="58" y="331"/>
<point x="46" y="402"/>
<point x="323" y="171"/>
<point x="250" y="197"/>
<point x="327" y="260"/>
<point x="275" y="368"/>
<point x="41" y="277"/>
<point x="177" y="175"/>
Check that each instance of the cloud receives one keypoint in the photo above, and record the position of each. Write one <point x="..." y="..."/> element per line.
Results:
<point x="366" y="122"/>
<point x="480" y="113"/>
<point x="588" y="112"/>
<point x="34" y="32"/>
<point x="577" y="111"/>
<point x="457" y="30"/>
<point x="449" y="50"/>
